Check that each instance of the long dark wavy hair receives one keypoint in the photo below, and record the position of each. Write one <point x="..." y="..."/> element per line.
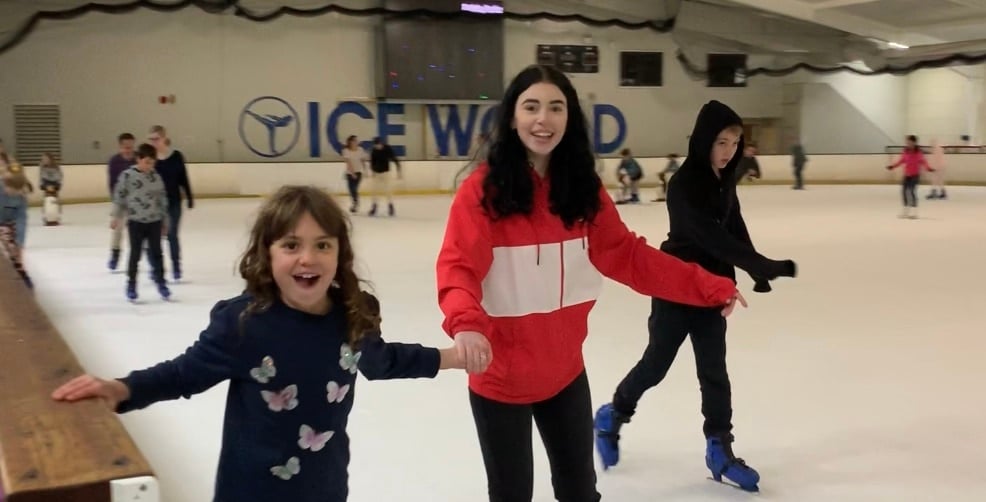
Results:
<point x="508" y="188"/>
<point x="278" y="216"/>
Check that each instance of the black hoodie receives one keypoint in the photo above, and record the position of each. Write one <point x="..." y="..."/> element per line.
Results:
<point x="706" y="224"/>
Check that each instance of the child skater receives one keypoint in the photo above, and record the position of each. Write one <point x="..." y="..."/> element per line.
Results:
<point x="629" y="173"/>
<point x="707" y="228"/>
<point x="290" y="345"/>
<point x="530" y="234"/>
<point x="50" y="174"/>
<point x="913" y="160"/>
<point x="140" y="197"/>
<point x="50" y="177"/>
<point x="669" y="170"/>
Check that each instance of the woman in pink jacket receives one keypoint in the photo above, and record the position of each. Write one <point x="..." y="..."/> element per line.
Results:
<point x="913" y="160"/>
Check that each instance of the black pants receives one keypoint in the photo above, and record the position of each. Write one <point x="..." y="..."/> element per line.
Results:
<point x="174" y="247"/>
<point x="909" y="187"/>
<point x="139" y="233"/>
<point x="669" y="324"/>
<point x="353" y="180"/>
<point x="799" y="181"/>
<point x="54" y="187"/>
<point x="565" y="424"/>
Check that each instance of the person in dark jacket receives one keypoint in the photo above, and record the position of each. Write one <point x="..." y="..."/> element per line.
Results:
<point x="171" y="166"/>
<point x="707" y="228"/>
<point x="117" y="164"/>
<point x="380" y="158"/>
<point x="798" y="160"/>
<point x="748" y="167"/>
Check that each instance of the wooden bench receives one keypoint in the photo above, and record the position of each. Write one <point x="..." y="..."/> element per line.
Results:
<point x="53" y="451"/>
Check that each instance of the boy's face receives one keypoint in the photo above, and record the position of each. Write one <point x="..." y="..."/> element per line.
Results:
<point x="145" y="164"/>
<point x="127" y="148"/>
<point x="724" y="148"/>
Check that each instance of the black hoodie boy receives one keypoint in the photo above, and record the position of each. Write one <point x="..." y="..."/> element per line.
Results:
<point x="706" y="224"/>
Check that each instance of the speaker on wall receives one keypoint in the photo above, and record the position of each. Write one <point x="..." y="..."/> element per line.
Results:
<point x="726" y="70"/>
<point x="641" y="69"/>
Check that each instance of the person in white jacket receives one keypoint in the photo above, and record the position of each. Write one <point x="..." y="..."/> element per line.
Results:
<point x="938" y="175"/>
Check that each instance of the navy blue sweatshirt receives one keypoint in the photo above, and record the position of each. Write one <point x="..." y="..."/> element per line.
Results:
<point x="292" y="378"/>
<point x="707" y="226"/>
<point x="175" y="176"/>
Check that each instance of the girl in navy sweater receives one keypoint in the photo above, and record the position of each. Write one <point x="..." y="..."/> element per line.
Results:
<point x="290" y="345"/>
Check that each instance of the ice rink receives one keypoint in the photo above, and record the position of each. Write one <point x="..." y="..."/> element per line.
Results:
<point x="856" y="381"/>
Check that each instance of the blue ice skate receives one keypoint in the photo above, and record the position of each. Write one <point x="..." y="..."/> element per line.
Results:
<point x="132" y="292"/>
<point x="607" y="425"/>
<point x="720" y="460"/>
<point x="163" y="290"/>
<point x="114" y="259"/>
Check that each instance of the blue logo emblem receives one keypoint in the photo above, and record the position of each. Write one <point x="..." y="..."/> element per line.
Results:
<point x="269" y="126"/>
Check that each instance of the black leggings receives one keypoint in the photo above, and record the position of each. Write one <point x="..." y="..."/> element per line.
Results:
<point x="909" y="187"/>
<point x="139" y="234"/>
<point x="565" y="424"/>
<point x="669" y="324"/>
<point x="352" y="182"/>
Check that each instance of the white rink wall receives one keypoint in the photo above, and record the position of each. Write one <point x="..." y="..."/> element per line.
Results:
<point x="87" y="183"/>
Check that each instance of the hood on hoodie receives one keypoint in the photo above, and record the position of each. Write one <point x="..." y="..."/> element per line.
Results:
<point x="712" y="119"/>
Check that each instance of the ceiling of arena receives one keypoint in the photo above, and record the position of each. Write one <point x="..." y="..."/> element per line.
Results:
<point x="778" y="35"/>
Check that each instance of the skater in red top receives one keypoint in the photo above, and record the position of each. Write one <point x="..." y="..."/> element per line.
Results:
<point x="913" y="160"/>
<point x="530" y="234"/>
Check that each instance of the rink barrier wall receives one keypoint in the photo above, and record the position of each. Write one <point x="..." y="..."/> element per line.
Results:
<point x="87" y="183"/>
<point x="52" y="450"/>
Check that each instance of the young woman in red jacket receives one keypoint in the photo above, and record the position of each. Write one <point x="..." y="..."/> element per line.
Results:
<point x="530" y="234"/>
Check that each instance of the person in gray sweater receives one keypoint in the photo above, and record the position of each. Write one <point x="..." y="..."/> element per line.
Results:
<point x="50" y="174"/>
<point x="139" y="196"/>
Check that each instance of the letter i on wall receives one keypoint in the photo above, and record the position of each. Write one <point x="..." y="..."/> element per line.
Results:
<point x="314" y="127"/>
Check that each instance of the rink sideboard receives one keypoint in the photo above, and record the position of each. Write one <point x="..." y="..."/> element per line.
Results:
<point x="88" y="182"/>
<point x="51" y="450"/>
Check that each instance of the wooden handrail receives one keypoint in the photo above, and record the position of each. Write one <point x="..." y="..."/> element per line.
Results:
<point x="51" y="450"/>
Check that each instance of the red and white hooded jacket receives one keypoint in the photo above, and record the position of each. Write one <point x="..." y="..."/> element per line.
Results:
<point x="527" y="284"/>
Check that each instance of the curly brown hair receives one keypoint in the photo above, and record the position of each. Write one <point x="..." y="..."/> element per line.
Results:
<point x="277" y="217"/>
